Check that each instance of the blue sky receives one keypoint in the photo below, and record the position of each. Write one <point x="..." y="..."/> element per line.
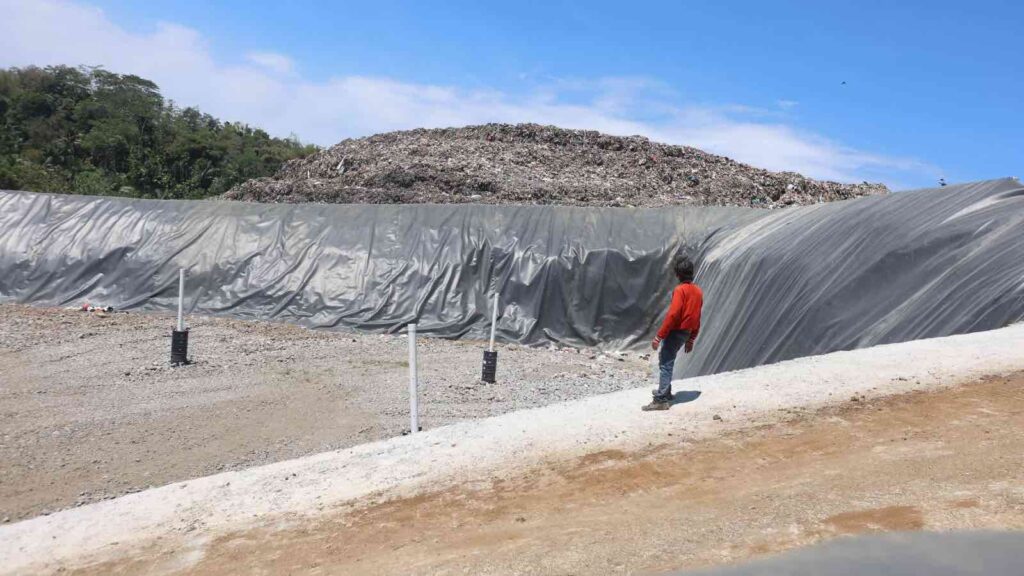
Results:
<point x="933" y="89"/>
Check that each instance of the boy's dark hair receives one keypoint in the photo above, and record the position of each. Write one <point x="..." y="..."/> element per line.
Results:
<point x="683" y="267"/>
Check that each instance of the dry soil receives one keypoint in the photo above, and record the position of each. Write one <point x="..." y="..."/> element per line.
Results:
<point x="91" y="409"/>
<point x="948" y="459"/>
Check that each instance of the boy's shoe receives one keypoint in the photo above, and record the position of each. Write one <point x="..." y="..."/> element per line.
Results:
<point x="657" y="405"/>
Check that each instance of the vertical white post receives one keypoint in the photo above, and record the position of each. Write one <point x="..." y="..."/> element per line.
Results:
<point x="494" y="320"/>
<point x="414" y="417"/>
<point x="181" y="299"/>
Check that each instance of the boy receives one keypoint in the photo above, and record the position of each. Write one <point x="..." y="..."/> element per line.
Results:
<point x="679" y="330"/>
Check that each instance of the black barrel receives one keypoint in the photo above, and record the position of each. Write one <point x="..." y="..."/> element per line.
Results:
<point x="179" y="347"/>
<point x="490" y="366"/>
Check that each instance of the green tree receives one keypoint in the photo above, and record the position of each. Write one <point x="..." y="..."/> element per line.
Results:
<point x="91" y="131"/>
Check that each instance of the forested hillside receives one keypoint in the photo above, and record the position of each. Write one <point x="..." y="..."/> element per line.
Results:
<point x="90" y="131"/>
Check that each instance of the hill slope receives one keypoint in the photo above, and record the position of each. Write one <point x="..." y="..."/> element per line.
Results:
<point x="532" y="164"/>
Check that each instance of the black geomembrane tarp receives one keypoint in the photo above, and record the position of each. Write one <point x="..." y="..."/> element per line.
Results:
<point x="778" y="284"/>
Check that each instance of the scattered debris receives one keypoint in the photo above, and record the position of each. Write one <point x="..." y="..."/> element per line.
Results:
<point x="533" y="164"/>
<point x="86" y="307"/>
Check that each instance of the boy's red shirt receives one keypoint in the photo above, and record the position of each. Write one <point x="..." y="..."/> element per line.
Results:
<point x="684" y="313"/>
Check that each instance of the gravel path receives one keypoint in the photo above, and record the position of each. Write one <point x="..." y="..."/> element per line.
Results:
<point x="90" y="408"/>
<point x="946" y="460"/>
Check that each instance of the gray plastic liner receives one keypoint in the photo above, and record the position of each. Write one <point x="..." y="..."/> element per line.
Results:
<point x="863" y="272"/>
<point x="777" y="284"/>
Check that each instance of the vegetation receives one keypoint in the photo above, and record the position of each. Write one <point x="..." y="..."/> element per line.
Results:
<point x="90" y="131"/>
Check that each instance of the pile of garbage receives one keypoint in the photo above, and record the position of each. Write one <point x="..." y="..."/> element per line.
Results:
<point x="533" y="164"/>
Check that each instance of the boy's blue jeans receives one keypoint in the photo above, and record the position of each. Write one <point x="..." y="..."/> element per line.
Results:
<point x="670" y="347"/>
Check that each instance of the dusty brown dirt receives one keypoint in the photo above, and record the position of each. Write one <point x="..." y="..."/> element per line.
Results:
<point x="90" y="408"/>
<point x="952" y="459"/>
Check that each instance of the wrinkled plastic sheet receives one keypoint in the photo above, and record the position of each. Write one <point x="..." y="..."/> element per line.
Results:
<point x="863" y="272"/>
<point x="777" y="285"/>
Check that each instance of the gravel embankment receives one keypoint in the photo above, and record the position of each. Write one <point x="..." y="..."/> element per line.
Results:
<point x="90" y="408"/>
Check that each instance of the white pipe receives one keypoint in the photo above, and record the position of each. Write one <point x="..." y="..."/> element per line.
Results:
<point x="494" y="320"/>
<point x="414" y="417"/>
<point x="181" y="299"/>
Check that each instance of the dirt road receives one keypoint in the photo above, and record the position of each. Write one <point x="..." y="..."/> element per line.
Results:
<point x="952" y="459"/>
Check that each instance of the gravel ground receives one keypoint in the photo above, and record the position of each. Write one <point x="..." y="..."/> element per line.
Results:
<point x="90" y="408"/>
<point x="479" y="494"/>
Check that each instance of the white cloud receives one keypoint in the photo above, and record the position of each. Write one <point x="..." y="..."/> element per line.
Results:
<point x="264" y="90"/>
<point x="272" y="61"/>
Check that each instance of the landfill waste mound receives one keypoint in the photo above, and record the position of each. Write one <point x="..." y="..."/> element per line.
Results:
<point x="533" y="164"/>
